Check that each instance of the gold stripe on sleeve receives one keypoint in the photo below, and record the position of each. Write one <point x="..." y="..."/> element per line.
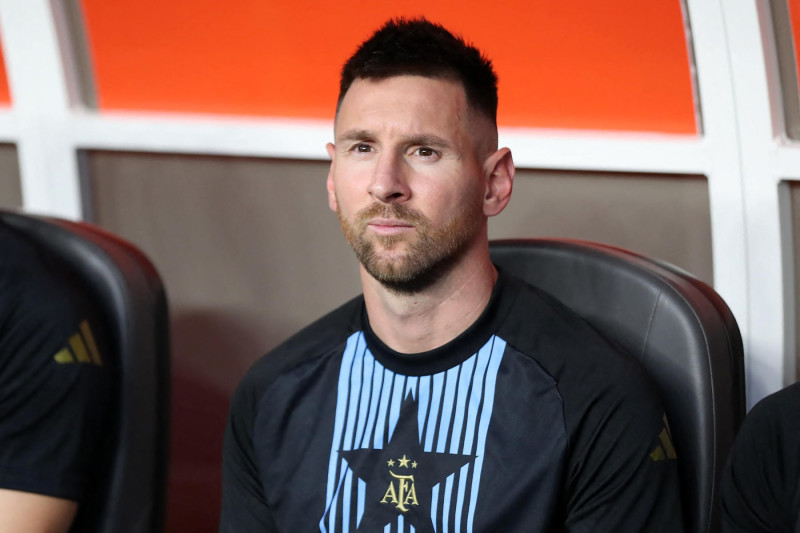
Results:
<point x="63" y="357"/>
<point x="90" y="343"/>
<point x="79" y="349"/>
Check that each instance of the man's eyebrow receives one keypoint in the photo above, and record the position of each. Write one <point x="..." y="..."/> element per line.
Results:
<point x="427" y="139"/>
<point x="356" y="135"/>
<point x="423" y="139"/>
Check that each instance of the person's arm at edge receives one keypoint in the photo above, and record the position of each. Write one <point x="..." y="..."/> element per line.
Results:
<point x="244" y="507"/>
<point x="35" y="513"/>
<point x="630" y="481"/>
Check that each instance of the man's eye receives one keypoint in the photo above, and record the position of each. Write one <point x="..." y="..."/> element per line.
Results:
<point x="424" y="151"/>
<point x="361" y="147"/>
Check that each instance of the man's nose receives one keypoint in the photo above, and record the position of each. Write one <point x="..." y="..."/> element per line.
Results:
<point x="389" y="181"/>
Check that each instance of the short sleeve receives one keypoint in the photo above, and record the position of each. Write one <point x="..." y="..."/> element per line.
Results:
<point x="623" y="473"/>
<point x="244" y="506"/>
<point x="54" y="381"/>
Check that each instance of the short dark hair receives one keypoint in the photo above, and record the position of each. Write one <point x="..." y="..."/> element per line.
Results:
<point x="403" y="47"/>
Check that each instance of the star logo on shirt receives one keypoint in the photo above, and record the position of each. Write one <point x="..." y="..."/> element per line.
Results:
<point x="400" y="477"/>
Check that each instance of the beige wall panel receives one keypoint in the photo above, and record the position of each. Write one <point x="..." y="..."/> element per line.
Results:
<point x="10" y="188"/>
<point x="248" y="242"/>
<point x="666" y="217"/>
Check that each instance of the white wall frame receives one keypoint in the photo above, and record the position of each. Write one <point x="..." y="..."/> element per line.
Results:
<point x="758" y="112"/>
<point x="41" y="102"/>
<point x="738" y="151"/>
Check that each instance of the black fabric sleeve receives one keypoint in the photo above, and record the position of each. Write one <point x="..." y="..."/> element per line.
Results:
<point x="244" y="506"/>
<point x="54" y="380"/>
<point x="761" y="483"/>
<point x="244" y="497"/>
<point x="623" y="471"/>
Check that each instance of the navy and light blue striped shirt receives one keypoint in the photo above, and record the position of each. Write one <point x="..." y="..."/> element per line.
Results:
<point x="528" y="421"/>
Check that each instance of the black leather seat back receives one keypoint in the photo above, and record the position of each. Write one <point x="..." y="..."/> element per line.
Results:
<point x="131" y="296"/>
<point x="677" y="326"/>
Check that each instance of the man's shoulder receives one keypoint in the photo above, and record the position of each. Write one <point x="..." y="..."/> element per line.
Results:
<point x="582" y="361"/>
<point x="539" y="324"/>
<point x="775" y="414"/>
<point x="322" y="336"/>
<point x="44" y="304"/>
<point x="31" y="275"/>
<point x="784" y="401"/>
<point x="331" y="329"/>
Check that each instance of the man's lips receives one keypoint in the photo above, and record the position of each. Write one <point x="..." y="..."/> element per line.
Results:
<point x="388" y="226"/>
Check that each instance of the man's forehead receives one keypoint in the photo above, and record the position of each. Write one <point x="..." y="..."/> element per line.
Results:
<point x="423" y="105"/>
<point x="397" y="94"/>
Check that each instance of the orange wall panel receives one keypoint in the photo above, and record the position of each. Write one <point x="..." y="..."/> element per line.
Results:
<point x="612" y="65"/>
<point x="794" y="15"/>
<point x="5" y="92"/>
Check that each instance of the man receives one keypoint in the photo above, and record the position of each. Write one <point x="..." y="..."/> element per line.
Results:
<point x="449" y="397"/>
<point x="55" y="391"/>
<point x="761" y="483"/>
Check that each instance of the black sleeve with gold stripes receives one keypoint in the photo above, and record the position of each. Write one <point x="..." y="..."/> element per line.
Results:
<point x="55" y="379"/>
<point x="624" y="475"/>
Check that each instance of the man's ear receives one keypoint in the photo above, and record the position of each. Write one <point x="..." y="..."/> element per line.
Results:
<point x="332" y="203"/>
<point x="499" y="171"/>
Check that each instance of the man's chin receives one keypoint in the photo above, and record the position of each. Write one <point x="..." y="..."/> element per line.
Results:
<point x="408" y="283"/>
<point x="409" y="276"/>
<point x="390" y="269"/>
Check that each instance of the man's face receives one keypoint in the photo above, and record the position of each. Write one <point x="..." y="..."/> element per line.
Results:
<point x="406" y="177"/>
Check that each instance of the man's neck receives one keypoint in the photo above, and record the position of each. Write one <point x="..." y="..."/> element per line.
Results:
<point x="414" y="323"/>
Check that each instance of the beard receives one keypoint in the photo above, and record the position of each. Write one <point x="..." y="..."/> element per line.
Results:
<point x="430" y="252"/>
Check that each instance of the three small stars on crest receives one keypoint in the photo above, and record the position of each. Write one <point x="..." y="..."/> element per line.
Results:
<point x="403" y="462"/>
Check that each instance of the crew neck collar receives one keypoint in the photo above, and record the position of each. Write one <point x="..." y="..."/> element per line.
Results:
<point x="450" y="354"/>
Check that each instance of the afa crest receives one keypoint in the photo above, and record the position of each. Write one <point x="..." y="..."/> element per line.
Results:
<point x="401" y="492"/>
<point x="402" y="477"/>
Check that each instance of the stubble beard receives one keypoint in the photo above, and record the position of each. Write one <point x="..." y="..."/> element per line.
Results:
<point x="430" y="252"/>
